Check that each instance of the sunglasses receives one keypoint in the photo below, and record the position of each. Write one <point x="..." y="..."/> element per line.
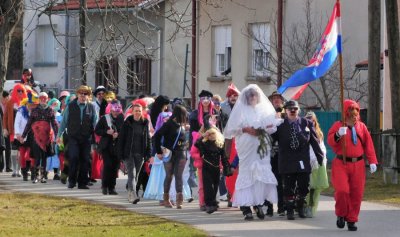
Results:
<point x="217" y="103"/>
<point x="205" y="98"/>
<point x="293" y="108"/>
<point x="20" y="91"/>
<point x="84" y="93"/>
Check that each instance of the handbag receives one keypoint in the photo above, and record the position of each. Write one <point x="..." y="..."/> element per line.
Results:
<point x="167" y="154"/>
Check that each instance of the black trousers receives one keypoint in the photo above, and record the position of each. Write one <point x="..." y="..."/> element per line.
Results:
<point x="110" y="169"/>
<point x="275" y="170"/>
<point x="210" y="184"/>
<point x="78" y="157"/>
<point x="295" y="184"/>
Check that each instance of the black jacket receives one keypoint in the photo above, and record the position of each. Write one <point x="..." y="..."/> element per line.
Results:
<point x="106" y="140"/>
<point x="295" y="161"/>
<point x="170" y="131"/>
<point x="126" y="140"/>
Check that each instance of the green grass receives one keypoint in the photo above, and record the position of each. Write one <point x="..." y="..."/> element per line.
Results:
<point x="376" y="190"/>
<point x="38" y="215"/>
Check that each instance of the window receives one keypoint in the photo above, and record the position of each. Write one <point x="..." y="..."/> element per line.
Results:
<point x="260" y="34"/>
<point x="139" y="75"/>
<point x="222" y="49"/>
<point x="46" y="50"/>
<point x="107" y="73"/>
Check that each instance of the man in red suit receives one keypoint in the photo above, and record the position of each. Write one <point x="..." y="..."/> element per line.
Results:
<point x="348" y="172"/>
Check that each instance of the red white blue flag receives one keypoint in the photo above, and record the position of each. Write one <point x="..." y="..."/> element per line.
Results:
<point x="324" y="57"/>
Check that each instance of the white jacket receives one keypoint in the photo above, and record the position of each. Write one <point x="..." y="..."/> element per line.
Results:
<point x="19" y="124"/>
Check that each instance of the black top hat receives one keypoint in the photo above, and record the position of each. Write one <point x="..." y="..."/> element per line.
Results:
<point x="205" y="93"/>
<point x="291" y="103"/>
<point x="276" y="93"/>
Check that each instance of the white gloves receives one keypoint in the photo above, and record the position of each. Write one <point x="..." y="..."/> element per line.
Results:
<point x="5" y="132"/>
<point x="372" y="168"/>
<point x="314" y="164"/>
<point x="342" y="131"/>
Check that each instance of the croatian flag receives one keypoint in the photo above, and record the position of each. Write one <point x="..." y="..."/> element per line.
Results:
<point x="328" y="49"/>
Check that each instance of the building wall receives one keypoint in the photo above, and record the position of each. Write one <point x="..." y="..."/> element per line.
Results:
<point x="238" y="14"/>
<point x="175" y="38"/>
<point x="52" y="76"/>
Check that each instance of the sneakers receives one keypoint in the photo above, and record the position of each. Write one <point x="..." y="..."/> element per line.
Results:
<point x="223" y="197"/>
<point x="351" y="226"/>
<point x="340" y="222"/>
<point x="281" y="212"/>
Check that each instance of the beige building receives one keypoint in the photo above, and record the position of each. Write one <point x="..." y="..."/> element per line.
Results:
<point x="236" y="36"/>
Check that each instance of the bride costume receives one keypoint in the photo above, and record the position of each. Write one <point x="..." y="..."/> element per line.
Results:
<point x="256" y="182"/>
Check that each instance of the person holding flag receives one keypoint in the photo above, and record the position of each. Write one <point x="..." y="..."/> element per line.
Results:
<point x="348" y="171"/>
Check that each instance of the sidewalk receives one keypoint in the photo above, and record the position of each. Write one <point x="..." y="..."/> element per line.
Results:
<point x="375" y="219"/>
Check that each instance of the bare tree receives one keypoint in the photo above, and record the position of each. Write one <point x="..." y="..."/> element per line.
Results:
<point x="11" y="12"/>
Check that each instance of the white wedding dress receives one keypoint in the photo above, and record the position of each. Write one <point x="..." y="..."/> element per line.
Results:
<point x="255" y="182"/>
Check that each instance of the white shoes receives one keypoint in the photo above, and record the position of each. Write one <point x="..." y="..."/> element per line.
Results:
<point x="223" y="197"/>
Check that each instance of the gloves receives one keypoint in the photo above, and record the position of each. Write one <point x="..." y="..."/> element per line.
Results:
<point x="372" y="168"/>
<point x="227" y="171"/>
<point x="342" y="131"/>
<point x="314" y="164"/>
<point x="5" y="132"/>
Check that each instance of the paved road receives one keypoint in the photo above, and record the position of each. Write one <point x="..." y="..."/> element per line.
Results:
<point x="375" y="219"/>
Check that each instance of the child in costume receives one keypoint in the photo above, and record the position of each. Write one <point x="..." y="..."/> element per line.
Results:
<point x="212" y="152"/>
<point x="53" y="162"/>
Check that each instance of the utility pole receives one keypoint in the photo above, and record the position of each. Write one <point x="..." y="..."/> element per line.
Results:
<point x="392" y="24"/>
<point x="280" y="30"/>
<point x="374" y="67"/>
<point x="82" y="37"/>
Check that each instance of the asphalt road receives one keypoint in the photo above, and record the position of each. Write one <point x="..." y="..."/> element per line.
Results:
<point x="376" y="220"/>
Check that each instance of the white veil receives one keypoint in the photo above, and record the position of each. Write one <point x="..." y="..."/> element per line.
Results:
<point x="245" y="115"/>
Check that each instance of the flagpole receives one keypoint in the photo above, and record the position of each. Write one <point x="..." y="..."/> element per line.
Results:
<point x="341" y="79"/>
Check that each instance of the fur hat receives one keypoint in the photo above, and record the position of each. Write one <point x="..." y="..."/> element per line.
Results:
<point x="205" y="93"/>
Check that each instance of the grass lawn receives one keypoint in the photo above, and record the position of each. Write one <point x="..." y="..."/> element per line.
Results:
<point x="38" y="215"/>
<point x="376" y="190"/>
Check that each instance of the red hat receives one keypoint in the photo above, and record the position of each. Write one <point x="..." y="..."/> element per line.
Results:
<point x="232" y="90"/>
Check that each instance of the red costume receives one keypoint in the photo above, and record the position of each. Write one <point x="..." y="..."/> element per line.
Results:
<point x="348" y="177"/>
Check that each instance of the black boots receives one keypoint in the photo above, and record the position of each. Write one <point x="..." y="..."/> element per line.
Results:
<point x="259" y="211"/>
<point x="351" y="226"/>
<point x="340" y="222"/>
<point x="290" y="210"/>
<point x="300" y="207"/>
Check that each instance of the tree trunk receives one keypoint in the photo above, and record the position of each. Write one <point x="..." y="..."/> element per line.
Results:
<point x="394" y="64"/>
<point x="11" y="12"/>
<point x="374" y="66"/>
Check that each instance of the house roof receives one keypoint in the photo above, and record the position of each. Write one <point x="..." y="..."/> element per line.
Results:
<point x="98" y="4"/>
<point x="363" y="65"/>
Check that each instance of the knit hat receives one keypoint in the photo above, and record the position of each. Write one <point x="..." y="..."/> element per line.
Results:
<point x="232" y="90"/>
<point x="205" y="93"/>
<point x="98" y="89"/>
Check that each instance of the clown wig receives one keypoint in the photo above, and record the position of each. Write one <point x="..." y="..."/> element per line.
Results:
<point x="15" y="97"/>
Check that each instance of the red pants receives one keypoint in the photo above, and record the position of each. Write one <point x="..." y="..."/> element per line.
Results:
<point x="97" y="165"/>
<point x="24" y="156"/>
<point x="348" y="181"/>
